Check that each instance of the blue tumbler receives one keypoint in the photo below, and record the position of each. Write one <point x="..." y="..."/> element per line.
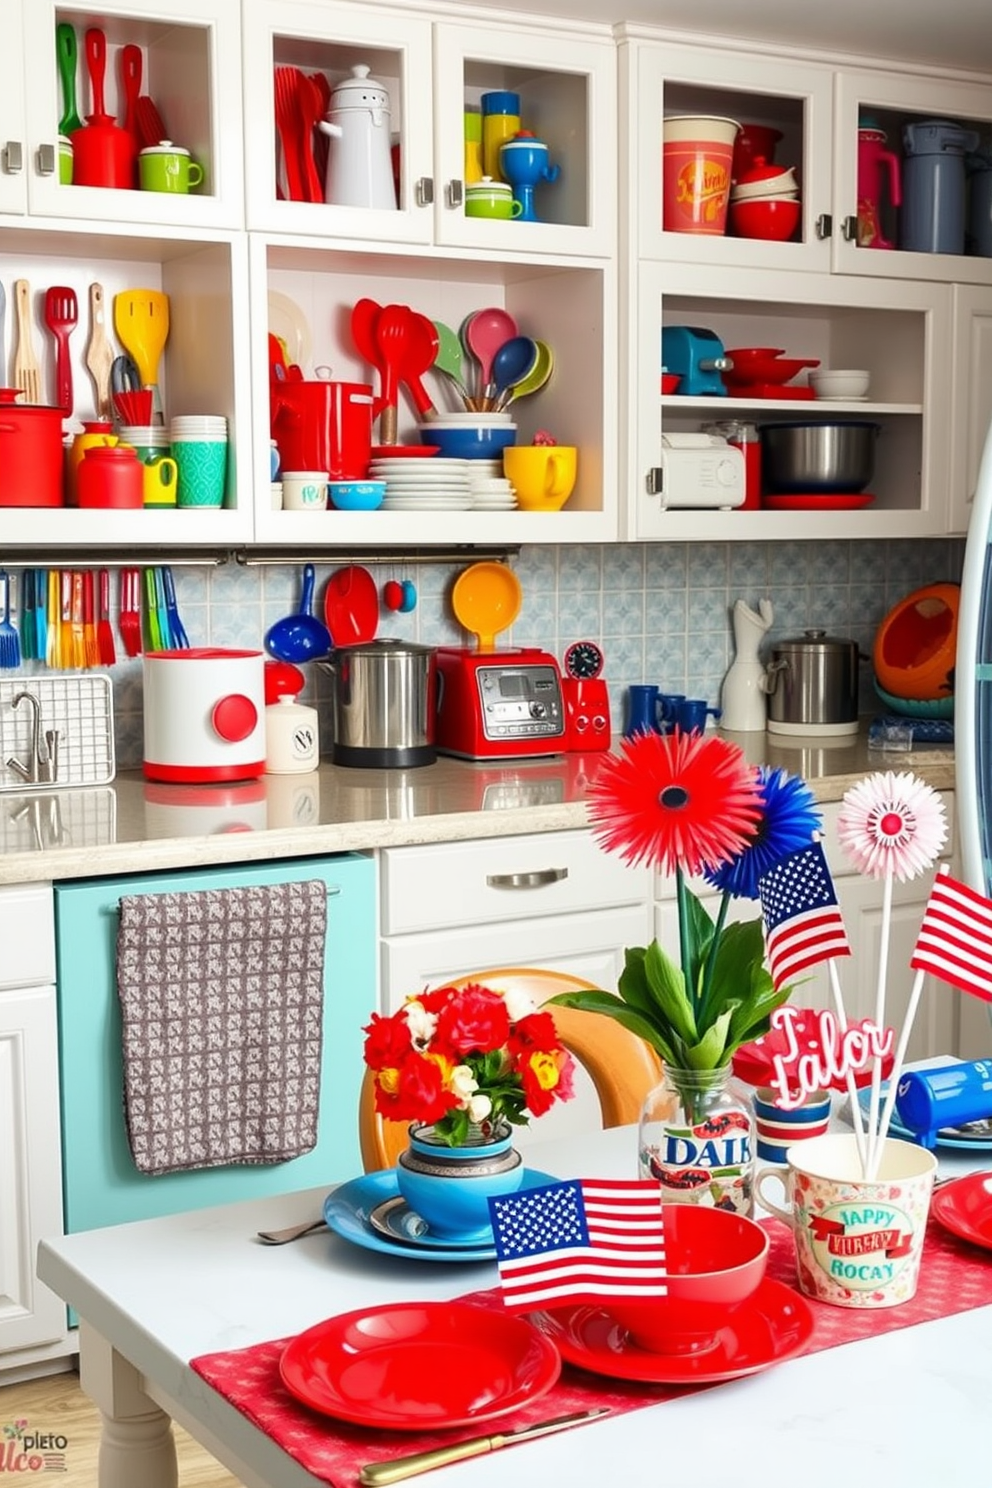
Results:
<point x="643" y="709"/>
<point x="929" y="1101"/>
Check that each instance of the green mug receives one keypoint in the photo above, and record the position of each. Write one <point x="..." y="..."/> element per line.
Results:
<point x="488" y="198"/>
<point x="168" y="167"/>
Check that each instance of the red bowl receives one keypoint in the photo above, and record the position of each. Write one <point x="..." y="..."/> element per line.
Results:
<point x="746" y="356"/>
<point x="716" y="1260"/>
<point x="670" y="382"/>
<point x="774" y="221"/>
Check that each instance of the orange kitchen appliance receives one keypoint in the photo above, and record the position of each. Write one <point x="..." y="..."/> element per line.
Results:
<point x="587" y="701"/>
<point x="496" y="703"/>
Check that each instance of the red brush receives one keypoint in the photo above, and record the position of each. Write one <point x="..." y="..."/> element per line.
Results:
<point x="134" y="407"/>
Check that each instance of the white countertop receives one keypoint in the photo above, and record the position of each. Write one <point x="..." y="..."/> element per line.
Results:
<point x="136" y="826"/>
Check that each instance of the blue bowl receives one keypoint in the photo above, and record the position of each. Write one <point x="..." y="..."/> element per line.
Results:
<point x="470" y="441"/>
<point x="356" y="495"/>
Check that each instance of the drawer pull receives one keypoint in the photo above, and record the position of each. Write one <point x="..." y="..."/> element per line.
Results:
<point x="535" y="880"/>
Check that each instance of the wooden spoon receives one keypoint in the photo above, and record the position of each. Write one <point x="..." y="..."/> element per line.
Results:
<point x="99" y="352"/>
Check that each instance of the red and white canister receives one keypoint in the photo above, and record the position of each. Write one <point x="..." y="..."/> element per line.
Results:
<point x="204" y="715"/>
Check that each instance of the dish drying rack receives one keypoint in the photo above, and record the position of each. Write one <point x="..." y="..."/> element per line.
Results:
<point x="81" y="709"/>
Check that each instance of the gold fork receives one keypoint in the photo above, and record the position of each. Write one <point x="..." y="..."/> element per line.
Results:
<point x="27" y="372"/>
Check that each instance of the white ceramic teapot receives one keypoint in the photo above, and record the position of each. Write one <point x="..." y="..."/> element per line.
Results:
<point x="359" y="161"/>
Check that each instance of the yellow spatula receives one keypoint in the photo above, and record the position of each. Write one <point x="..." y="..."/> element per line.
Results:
<point x="141" y="320"/>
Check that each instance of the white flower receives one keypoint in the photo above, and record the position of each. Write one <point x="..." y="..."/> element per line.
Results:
<point x="479" y="1107"/>
<point x="463" y="1082"/>
<point x="420" y="1022"/>
<point x="519" y="1004"/>
<point x="892" y="825"/>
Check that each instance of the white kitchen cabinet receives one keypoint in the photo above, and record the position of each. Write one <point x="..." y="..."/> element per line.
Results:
<point x="190" y="68"/>
<point x="435" y="67"/>
<point x="32" y="1319"/>
<point x="796" y="97"/>
<point x="817" y="108"/>
<point x="545" y="900"/>
<point x="569" y="303"/>
<point x="204" y="368"/>
<point x="899" y="331"/>
<point x="892" y="99"/>
<point x="971" y="399"/>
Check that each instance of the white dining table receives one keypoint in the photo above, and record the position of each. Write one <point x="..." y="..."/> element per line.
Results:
<point x="908" y="1407"/>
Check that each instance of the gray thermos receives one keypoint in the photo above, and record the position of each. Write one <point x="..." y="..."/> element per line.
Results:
<point x="933" y="186"/>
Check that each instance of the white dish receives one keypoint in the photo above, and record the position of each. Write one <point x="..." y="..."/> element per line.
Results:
<point x="287" y="321"/>
<point x="457" y="503"/>
<point x="436" y="462"/>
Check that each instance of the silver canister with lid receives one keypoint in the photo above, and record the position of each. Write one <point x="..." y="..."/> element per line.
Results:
<point x="812" y="685"/>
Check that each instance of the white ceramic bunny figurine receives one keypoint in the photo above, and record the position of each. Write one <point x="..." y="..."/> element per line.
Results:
<point x="742" y="698"/>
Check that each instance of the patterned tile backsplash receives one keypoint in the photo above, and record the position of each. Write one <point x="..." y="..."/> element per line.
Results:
<point x="660" y="611"/>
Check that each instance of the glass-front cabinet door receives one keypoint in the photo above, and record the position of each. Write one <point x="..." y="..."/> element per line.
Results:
<point x="13" y="144"/>
<point x="123" y="75"/>
<point x="694" y="176"/>
<point x="913" y="177"/>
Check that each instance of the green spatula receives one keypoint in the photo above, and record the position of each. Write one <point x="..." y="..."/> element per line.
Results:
<point x="65" y="45"/>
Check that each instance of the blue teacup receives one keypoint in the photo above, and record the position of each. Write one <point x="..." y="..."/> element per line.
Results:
<point x="690" y="714"/>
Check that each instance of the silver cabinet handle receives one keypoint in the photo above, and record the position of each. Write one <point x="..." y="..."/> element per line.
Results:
<point x="455" y="194"/>
<point x="12" y="156"/>
<point x="46" y="160"/>
<point x="424" y="191"/>
<point x="534" y="880"/>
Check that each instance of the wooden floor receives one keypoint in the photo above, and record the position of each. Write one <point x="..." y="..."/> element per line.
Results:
<point x="57" y="1405"/>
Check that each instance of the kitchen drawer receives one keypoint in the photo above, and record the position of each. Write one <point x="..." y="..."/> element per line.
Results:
<point x="27" y="934"/>
<point x="505" y="878"/>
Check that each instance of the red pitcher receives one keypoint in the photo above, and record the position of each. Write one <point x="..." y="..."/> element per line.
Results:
<point x="876" y="165"/>
<point x="323" y="426"/>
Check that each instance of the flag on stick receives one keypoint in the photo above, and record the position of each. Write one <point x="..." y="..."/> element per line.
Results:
<point x="578" y="1241"/>
<point x="955" y="939"/>
<point x="803" y="922"/>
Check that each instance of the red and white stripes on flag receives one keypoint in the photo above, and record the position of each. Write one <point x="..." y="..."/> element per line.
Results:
<point x="803" y="923"/>
<point x="578" y="1241"/>
<point x="955" y="939"/>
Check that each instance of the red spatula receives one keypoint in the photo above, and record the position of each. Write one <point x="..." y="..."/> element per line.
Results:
<point x="148" y="122"/>
<point x="61" y="318"/>
<point x="130" y="65"/>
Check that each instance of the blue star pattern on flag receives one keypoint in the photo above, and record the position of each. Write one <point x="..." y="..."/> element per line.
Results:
<point x="803" y="923"/>
<point x="955" y="939"/>
<point x="578" y="1241"/>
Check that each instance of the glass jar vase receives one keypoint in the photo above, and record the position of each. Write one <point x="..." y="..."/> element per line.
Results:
<point x="696" y="1137"/>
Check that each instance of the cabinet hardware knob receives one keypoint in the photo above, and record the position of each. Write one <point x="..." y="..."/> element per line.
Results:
<point x="655" y="480"/>
<point x="46" y="160"/>
<point x="824" y="225"/>
<point x="850" y="229"/>
<point x="455" y="194"/>
<point x="424" y="191"/>
<point x="535" y="880"/>
<point x="13" y="157"/>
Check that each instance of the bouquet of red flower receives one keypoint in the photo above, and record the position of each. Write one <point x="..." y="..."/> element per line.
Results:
<point x="457" y="1058"/>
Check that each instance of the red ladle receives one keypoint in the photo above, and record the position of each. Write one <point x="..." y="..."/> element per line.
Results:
<point x="391" y="339"/>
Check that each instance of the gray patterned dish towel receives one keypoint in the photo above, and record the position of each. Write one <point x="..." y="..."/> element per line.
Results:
<point x="222" y="995"/>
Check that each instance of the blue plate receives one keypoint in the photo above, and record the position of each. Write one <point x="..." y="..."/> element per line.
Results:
<point x="347" y="1212"/>
<point x="948" y="1136"/>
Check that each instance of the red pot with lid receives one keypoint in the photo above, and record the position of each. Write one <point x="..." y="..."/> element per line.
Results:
<point x="323" y="426"/>
<point x="31" y="455"/>
<point x="204" y="715"/>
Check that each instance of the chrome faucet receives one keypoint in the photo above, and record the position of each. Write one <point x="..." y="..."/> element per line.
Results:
<point x="42" y="767"/>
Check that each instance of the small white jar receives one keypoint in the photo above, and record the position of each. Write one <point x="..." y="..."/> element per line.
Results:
<point x="292" y="738"/>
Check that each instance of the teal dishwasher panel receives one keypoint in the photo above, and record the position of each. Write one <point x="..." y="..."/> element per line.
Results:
<point x="102" y="1184"/>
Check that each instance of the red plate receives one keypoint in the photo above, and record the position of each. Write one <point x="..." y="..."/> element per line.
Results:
<point x="773" y="1325"/>
<point x="965" y="1208"/>
<point x="809" y="502"/>
<point x="419" y="1366"/>
<point x="385" y="451"/>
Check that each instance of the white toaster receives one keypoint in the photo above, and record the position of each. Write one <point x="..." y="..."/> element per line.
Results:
<point x="698" y="470"/>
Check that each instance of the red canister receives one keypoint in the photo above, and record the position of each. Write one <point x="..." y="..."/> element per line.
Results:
<point x="31" y="456"/>
<point x="111" y="476"/>
<point x="323" y="426"/>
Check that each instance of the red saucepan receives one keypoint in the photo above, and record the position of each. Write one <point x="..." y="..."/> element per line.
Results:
<point x="103" y="154"/>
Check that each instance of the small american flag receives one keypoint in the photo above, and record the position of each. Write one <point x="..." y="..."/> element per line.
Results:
<point x="955" y="939"/>
<point x="578" y="1241"/>
<point x="803" y="923"/>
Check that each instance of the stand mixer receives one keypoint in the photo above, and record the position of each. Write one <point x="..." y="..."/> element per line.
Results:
<point x="523" y="161"/>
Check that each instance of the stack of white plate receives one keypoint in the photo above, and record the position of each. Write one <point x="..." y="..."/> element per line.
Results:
<point x="489" y="486"/>
<point x="423" y="485"/>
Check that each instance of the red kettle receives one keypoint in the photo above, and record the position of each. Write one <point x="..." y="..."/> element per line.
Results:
<point x="877" y="168"/>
